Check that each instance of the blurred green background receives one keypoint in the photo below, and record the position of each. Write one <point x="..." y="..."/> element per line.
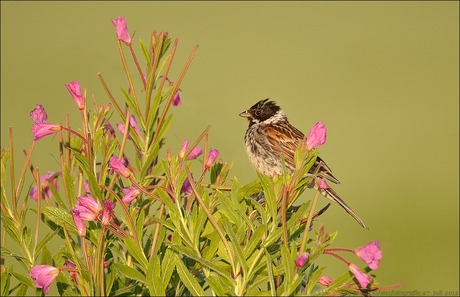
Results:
<point x="382" y="76"/>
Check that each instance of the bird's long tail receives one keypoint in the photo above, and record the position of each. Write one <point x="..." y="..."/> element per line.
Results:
<point x="332" y="195"/>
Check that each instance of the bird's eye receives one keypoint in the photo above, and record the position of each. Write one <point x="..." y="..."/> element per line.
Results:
<point x="258" y="112"/>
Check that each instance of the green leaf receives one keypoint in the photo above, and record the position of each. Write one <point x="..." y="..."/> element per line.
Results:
<point x="129" y="100"/>
<point x="137" y="253"/>
<point x="164" y="127"/>
<point x="270" y="196"/>
<point x="235" y="245"/>
<point x="59" y="217"/>
<point x="154" y="280"/>
<point x="219" y="285"/>
<point x="69" y="181"/>
<point x="82" y="161"/>
<point x="341" y="280"/>
<point x="23" y="279"/>
<point x="215" y="171"/>
<point x="188" y="279"/>
<point x="22" y="290"/>
<point x="140" y="223"/>
<point x="229" y="209"/>
<point x="5" y="281"/>
<point x="192" y="255"/>
<point x="130" y="272"/>
<point x="254" y="241"/>
<point x="47" y="259"/>
<point x="149" y="157"/>
<point x="44" y="241"/>
<point x="109" y="280"/>
<point x="287" y="264"/>
<point x="21" y="259"/>
<point x="153" y="115"/>
<point x="145" y="52"/>
<point x="167" y="265"/>
<point x="312" y="278"/>
<point x="271" y="277"/>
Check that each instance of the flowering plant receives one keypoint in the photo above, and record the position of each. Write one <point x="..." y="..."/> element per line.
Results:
<point x="142" y="224"/>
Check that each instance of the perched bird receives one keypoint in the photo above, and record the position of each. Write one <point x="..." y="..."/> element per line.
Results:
<point x="270" y="138"/>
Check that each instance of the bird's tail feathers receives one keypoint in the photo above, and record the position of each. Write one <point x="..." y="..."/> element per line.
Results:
<point x="332" y="195"/>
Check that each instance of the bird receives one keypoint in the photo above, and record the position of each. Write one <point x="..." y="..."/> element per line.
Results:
<point x="270" y="139"/>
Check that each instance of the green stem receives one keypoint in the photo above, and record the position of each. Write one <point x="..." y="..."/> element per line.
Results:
<point x="137" y="65"/>
<point x="127" y="214"/>
<point x="39" y="209"/>
<point x="335" y="255"/>
<point x="284" y="214"/>
<point x="100" y="263"/>
<point x="157" y="231"/>
<point x="307" y="225"/>
<point x="23" y="171"/>
<point x="212" y="221"/>
<point x="13" y="182"/>
<point x="106" y="88"/>
<point x="171" y="97"/>
<point x="130" y="82"/>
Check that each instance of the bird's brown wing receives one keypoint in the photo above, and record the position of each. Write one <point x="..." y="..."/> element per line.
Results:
<point x="284" y="139"/>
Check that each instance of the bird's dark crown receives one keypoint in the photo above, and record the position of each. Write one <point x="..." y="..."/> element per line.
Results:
<point x="264" y="109"/>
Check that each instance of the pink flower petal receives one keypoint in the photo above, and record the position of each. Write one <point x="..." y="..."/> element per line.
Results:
<point x="176" y="100"/>
<point x="75" y="91"/>
<point x="362" y="278"/>
<point x="122" y="30"/>
<point x="370" y="253"/>
<point x="317" y="136"/>
<point x="118" y="167"/>
<point x="302" y="259"/>
<point x="44" y="275"/>
<point x="39" y="115"/>
<point x="212" y="156"/>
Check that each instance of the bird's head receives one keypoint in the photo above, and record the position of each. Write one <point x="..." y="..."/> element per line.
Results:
<point x="264" y="111"/>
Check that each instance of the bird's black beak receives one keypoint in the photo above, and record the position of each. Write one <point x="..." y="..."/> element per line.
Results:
<point x="245" y="114"/>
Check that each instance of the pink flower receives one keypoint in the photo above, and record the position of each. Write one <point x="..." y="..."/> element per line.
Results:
<point x="212" y="156"/>
<point x="130" y="194"/>
<point x="360" y="276"/>
<point x="132" y="123"/>
<point x="73" y="273"/>
<point x="75" y="91"/>
<point x="44" y="275"/>
<point x="370" y="253"/>
<point x="186" y="187"/>
<point x="195" y="153"/>
<point x="79" y="224"/>
<point x="39" y="115"/>
<point x="86" y="186"/>
<point x="89" y="209"/>
<point x="122" y="30"/>
<point x="108" y="127"/>
<point x="321" y="183"/>
<point x="69" y="264"/>
<point x="118" y="167"/>
<point x="324" y="280"/>
<point x="176" y="100"/>
<point x="107" y="214"/>
<point x="302" y="259"/>
<point x="50" y="178"/>
<point x="40" y="128"/>
<point x="183" y="149"/>
<point x="317" y="136"/>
